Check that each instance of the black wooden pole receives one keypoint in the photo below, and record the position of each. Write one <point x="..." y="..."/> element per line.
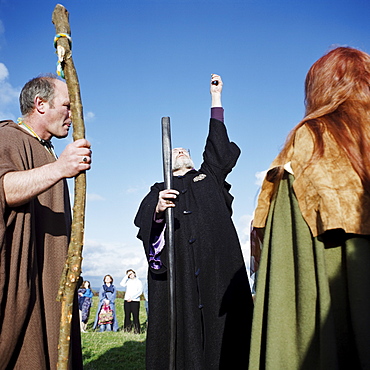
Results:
<point x="167" y="171"/>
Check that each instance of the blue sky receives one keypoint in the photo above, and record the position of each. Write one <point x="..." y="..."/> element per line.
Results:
<point x="140" y="60"/>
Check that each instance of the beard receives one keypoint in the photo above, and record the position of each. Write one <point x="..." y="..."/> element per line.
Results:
<point x="182" y="162"/>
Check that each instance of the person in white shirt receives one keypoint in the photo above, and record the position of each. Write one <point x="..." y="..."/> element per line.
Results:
<point x="134" y="289"/>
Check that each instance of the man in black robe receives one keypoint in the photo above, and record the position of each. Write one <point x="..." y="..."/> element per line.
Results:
<point x="213" y="299"/>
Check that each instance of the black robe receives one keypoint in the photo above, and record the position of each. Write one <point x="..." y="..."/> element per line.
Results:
<point x="213" y="300"/>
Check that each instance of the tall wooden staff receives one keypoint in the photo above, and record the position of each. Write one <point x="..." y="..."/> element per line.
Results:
<point x="170" y="242"/>
<point x="72" y="268"/>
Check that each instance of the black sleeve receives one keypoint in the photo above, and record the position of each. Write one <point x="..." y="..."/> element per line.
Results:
<point x="148" y="229"/>
<point x="220" y="154"/>
<point x="219" y="158"/>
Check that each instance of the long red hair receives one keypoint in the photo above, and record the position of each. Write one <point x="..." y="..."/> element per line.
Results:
<point x="337" y="100"/>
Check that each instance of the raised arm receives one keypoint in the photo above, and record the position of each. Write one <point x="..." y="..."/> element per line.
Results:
<point x="216" y="90"/>
<point x="124" y="281"/>
<point x="220" y="154"/>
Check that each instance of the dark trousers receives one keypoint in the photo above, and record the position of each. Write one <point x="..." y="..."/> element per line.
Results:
<point x="133" y="308"/>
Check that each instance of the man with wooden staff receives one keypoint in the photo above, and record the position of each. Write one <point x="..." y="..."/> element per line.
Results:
<point x="213" y="299"/>
<point x="35" y="227"/>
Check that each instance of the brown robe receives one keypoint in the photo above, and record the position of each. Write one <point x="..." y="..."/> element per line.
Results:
<point x="330" y="193"/>
<point x="33" y="248"/>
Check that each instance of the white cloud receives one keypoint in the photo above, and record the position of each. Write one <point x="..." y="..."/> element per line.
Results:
<point x="89" y="116"/>
<point x="260" y="177"/>
<point x="94" y="197"/>
<point x="8" y="94"/>
<point x="4" y="73"/>
<point x="101" y="258"/>
<point x="243" y="227"/>
<point x="132" y="190"/>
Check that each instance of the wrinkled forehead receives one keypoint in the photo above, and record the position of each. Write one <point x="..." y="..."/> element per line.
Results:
<point x="61" y="90"/>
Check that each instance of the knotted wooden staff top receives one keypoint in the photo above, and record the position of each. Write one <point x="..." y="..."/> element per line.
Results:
<point x="72" y="268"/>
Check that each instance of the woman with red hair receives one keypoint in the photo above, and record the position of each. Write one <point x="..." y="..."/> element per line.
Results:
<point x="312" y="308"/>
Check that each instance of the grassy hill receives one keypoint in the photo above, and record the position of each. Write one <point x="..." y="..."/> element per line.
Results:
<point x="114" y="350"/>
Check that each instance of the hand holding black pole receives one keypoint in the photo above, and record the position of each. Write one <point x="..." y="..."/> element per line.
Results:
<point x="167" y="171"/>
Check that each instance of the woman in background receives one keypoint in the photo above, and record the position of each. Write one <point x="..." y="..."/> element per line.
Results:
<point x="134" y="289"/>
<point x="107" y="297"/>
<point x="84" y="303"/>
<point x="312" y="308"/>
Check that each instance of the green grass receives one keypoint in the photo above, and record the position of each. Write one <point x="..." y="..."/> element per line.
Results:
<point x="114" y="350"/>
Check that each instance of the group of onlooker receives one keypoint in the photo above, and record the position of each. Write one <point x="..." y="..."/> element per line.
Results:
<point x="106" y="318"/>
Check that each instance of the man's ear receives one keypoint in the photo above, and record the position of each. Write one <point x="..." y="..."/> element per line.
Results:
<point x="39" y="104"/>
